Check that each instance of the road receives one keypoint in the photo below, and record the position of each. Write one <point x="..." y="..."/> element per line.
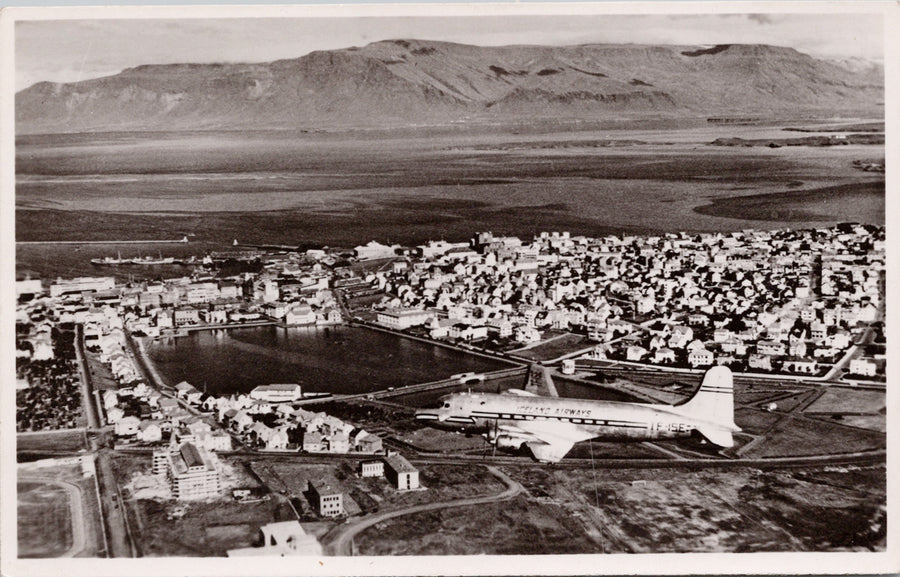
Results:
<point x="339" y="541"/>
<point x="112" y="507"/>
<point x="87" y="398"/>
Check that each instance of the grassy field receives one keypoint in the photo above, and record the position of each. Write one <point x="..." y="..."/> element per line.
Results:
<point x="798" y="436"/>
<point x="848" y="401"/>
<point x="519" y="526"/>
<point x="207" y="529"/>
<point x="740" y="510"/>
<point x="44" y="520"/>
<point x="754" y="421"/>
<point x="66" y="441"/>
<point x="872" y="422"/>
<point x="364" y="495"/>
<point x="618" y="511"/>
<point x="555" y="348"/>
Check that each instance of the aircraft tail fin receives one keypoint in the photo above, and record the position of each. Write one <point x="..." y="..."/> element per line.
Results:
<point x="714" y="403"/>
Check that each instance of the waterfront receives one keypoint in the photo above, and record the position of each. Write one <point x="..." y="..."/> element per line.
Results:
<point x="342" y="359"/>
<point x="409" y="187"/>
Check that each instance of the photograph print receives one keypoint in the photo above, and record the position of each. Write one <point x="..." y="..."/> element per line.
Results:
<point x="325" y="283"/>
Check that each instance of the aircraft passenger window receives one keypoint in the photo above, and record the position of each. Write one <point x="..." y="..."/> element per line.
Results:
<point x="482" y="402"/>
<point x="446" y="405"/>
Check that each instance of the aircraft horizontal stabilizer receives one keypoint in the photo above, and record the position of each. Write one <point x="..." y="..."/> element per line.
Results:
<point x="717" y="436"/>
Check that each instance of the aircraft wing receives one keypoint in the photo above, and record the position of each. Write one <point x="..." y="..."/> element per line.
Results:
<point x="520" y="393"/>
<point x="549" y="441"/>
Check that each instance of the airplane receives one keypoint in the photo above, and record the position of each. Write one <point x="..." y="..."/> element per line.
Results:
<point x="550" y="426"/>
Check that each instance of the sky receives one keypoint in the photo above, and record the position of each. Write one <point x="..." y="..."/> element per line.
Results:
<point x="72" y="50"/>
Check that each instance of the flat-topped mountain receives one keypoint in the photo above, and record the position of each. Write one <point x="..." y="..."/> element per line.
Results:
<point x="404" y="82"/>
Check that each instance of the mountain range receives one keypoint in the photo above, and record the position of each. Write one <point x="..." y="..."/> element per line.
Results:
<point x="408" y="82"/>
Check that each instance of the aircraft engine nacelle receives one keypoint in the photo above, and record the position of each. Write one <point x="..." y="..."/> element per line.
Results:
<point x="509" y="442"/>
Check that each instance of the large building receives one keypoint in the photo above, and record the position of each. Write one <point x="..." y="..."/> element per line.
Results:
<point x="400" y="319"/>
<point x="82" y="284"/>
<point x="277" y="393"/>
<point x="326" y="500"/>
<point x="400" y="472"/>
<point x="191" y="471"/>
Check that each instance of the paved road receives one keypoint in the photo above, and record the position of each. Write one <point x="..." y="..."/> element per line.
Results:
<point x="87" y="398"/>
<point x="340" y="540"/>
<point x="76" y="511"/>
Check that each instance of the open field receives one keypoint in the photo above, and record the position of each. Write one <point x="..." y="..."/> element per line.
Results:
<point x="848" y="401"/>
<point x="206" y="529"/>
<point x="612" y="511"/>
<point x="58" y="512"/>
<point x="63" y="441"/>
<point x="44" y="520"/>
<point x="754" y="421"/>
<point x="554" y="348"/>
<point x="365" y="495"/>
<point x="511" y="527"/>
<point x="800" y="436"/>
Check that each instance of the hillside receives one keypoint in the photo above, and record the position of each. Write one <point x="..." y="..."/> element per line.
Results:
<point x="402" y="82"/>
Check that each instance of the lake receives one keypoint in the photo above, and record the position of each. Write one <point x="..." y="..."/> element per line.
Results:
<point x="341" y="359"/>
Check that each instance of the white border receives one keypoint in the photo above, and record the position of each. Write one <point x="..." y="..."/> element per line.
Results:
<point x="658" y="564"/>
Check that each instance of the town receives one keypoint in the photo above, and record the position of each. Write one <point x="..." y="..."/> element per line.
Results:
<point x="801" y="306"/>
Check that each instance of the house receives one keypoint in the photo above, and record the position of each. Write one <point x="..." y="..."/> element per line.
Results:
<point x="635" y="353"/>
<point x="128" y="426"/>
<point x="278" y="440"/>
<point x="771" y="348"/>
<point x="313" y="442"/>
<point x="241" y="421"/>
<point x="802" y="365"/>
<point x="184" y="389"/>
<point x="214" y="441"/>
<point x="664" y="355"/>
<point x="149" y="432"/>
<point x="339" y="442"/>
<point x="700" y="358"/>
<point x="368" y="443"/>
<point x="186" y="316"/>
<point x="760" y="362"/>
<point x="863" y="367"/>
<point x="400" y="472"/>
<point x="300" y="314"/>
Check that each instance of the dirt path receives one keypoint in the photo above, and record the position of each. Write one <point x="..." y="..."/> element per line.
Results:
<point x="338" y="542"/>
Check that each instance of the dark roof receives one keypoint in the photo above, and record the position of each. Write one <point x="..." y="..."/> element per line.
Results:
<point x="191" y="456"/>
